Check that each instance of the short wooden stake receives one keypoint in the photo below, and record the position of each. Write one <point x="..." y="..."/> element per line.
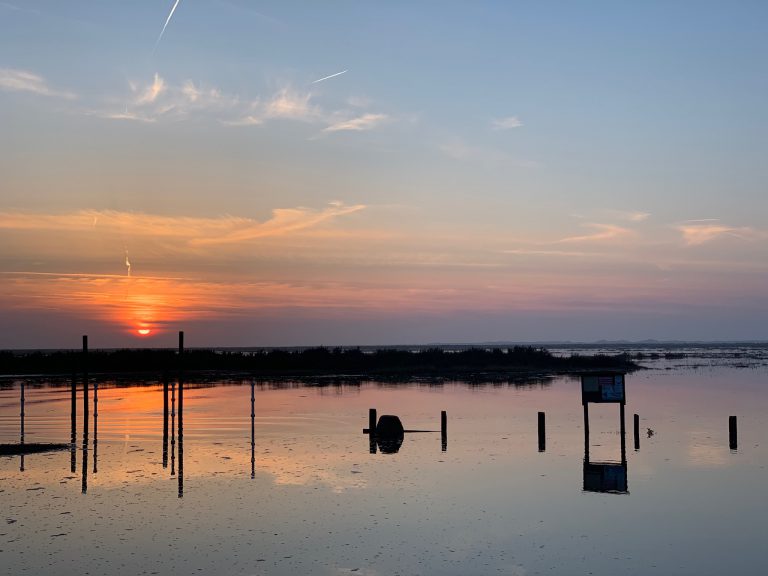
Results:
<point x="542" y="433"/>
<point x="733" y="435"/>
<point x="637" y="431"/>
<point x="372" y="421"/>
<point x="444" y="430"/>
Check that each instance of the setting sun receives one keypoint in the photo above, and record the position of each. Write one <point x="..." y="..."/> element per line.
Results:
<point x="144" y="331"/>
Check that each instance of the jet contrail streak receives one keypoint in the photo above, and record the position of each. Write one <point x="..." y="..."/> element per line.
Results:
<point x="170" y="15"/>
<point x="327" y="77"/>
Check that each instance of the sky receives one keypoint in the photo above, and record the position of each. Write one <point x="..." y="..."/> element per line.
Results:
<point x="289" y="173"/>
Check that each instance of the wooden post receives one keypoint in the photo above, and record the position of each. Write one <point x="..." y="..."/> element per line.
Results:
<point x="165" y="420"/>
<point x="181" y="414"/>
<point x="542" y="433"/>
<point x="444" y="430"/>
<point x="95" y="425"/>
<point x="733" y="435"/>
<point x="73" y="409"/>
<point x="21" y="440"/>
<point x="85" y="384"/>
<point x="253" y="432"/>
<point x="173" y="428"/>
<point x="586" y="431"/>
<point x="637" y="431"/>
<point x="623" y="434"/>
<point x="372" y="421"/>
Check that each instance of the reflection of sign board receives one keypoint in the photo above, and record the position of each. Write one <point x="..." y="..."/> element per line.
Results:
<point x="605" y="477"/>
<point x="603" y="388"/>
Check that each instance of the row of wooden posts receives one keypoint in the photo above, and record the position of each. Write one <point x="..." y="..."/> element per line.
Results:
<point x="733" y="438"/>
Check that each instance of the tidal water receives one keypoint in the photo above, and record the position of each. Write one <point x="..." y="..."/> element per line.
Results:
<point x="297" y="488"/>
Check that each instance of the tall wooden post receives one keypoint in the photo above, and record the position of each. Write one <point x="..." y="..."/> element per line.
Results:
<point x="165" y="420"/>
<point x="253" y="431"/>
<point x="733" y="433"/>
<point x="586" y="430"/>
<point x="21" y="418"/>
<point x="623" y="434"/>
<point x="542" y="432"/>
<point x="181" y="414"/>
<point x="85" y="383"/>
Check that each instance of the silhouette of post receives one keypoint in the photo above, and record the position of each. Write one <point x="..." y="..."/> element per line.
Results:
<point x="542" y="432"/>
<point x="586" y="429"/>
<point x="637" y="431"/>
<point x="85" y="384"/>
<point x="444" y="430"/>
<point x="623" y="434"/>
<point x="85" y="453"/>
<point x="181" y="414"/>
<point x="733" y="433"/>
<point x="73" y="407"/>
<point x="372" y="430"/>
<point x="253" y="432"/>
<point x="73" y="423"/>
<point x="165" y="420"/>
<point x="95" y="425"/>
<point x="21" y="419"/>
<point x="173" y="428"/>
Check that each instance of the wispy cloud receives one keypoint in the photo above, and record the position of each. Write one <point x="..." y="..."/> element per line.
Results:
<point x="149" y="94"/>
<point x="364" y="122"/>
<point x="191" y="231"/>
<point x="697" y="232"/>
<point x="603" y="232"/>
<point x="13" y="80"/>
<point x="506" y="123"/>
<point x="292" y="105"/>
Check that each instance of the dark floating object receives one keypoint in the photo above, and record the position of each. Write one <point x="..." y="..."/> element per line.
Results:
<point x="18" y="449"/>
<point x="389" y="427"/>
<point x="389" y="434"/>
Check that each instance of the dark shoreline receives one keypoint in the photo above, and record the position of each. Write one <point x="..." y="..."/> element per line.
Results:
<point x="199" y="364"/>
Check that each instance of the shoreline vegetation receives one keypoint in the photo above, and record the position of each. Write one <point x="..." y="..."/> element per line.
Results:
<point x="387" y="363"/>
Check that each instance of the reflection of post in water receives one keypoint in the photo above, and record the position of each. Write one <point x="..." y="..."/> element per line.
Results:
<point x="181" y="415"/>
<point x="253" y="432"/>
<point x="73" y="424"/>
<point x="21" y="439"/>
<point x="95" y="426"/>
<point x="165" y="421"/>
<point x="85" y="454"/>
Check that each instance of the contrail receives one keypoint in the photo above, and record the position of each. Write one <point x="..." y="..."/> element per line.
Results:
<point x="128" y="263"/>
<point x="170" y="15"/>
<point x="331" y="76"/>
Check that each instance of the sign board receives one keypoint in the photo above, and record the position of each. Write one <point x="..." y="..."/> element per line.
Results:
<point x="605" y="477"/>
<point x="603" y="388"/>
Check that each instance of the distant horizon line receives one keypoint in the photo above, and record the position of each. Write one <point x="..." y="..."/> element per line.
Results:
<point x="445" y="345"/>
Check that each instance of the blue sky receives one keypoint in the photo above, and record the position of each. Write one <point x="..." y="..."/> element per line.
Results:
<point x="481" y="171"/>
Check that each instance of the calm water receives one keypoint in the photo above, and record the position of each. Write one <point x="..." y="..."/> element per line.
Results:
<point x="315" y="500"/>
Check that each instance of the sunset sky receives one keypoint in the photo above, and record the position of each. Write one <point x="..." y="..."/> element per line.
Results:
<point x="359" y="172"/>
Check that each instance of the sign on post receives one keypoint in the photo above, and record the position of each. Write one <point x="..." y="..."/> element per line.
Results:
<point x="603" y="388"/>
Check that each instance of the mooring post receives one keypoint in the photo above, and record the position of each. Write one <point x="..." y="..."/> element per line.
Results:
<point x="21" y="440"/>
<point x="444" y="430"/>
<point x="253" y="432"/>
<point x="181" y="414"/>
<point x="85" y="378"/>
<point x="372" y="421"/>
<point x="637" y="431"/>
<point x="73" y="408"/>
<point x="165" y="420"/>
<point x="733" y="435"/>
<point x="542" y="433"/>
